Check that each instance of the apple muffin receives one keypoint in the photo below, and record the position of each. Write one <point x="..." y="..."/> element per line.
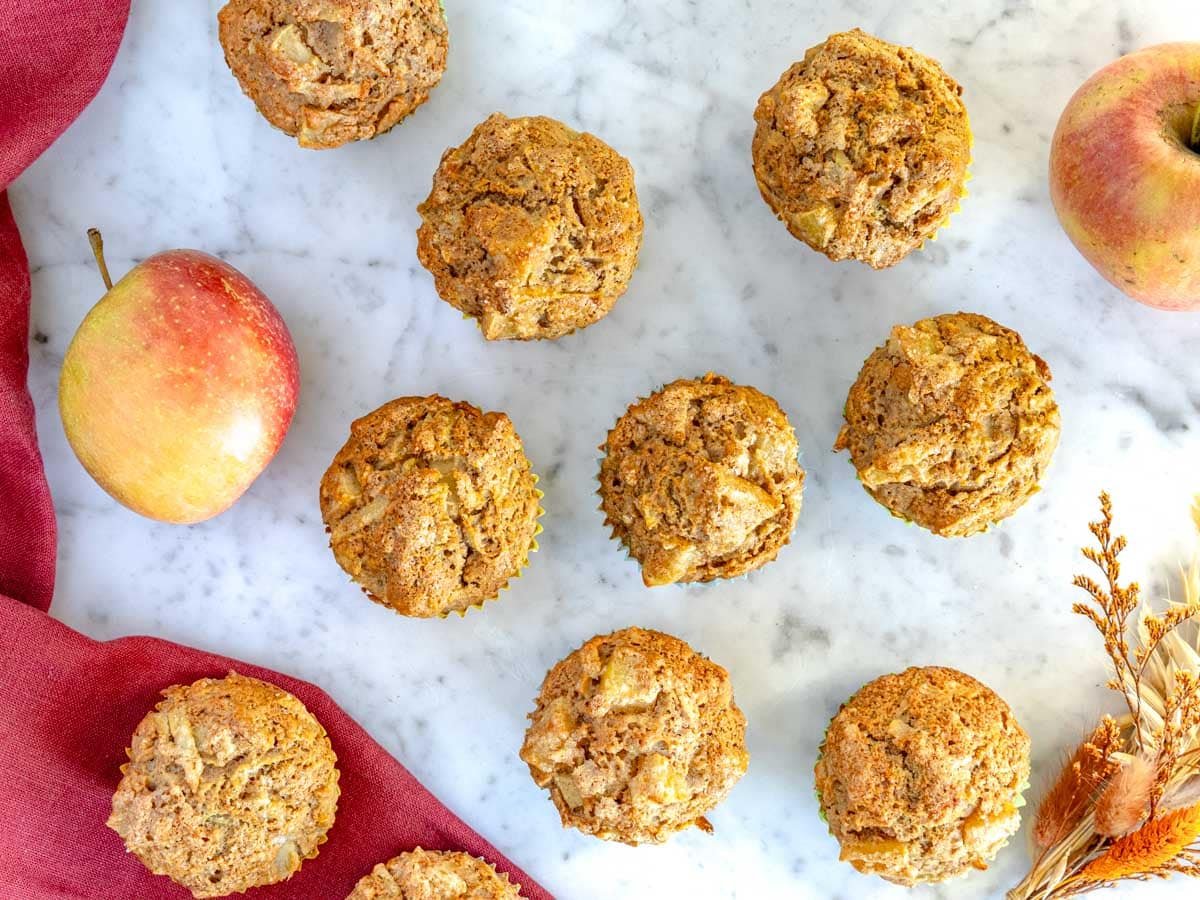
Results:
<point x="862" y="149"/>
<point x="920" y="776"/>
<point x="231" y="783"/>
<point x="951" y="423"/>
<point x="431" y="505"/>
<point x="332" y="71"/>
<point x="701" y="480"/>
<point x="434" y="875"/>
<point x="531" y="229"/>
<point x="636" y="736"/>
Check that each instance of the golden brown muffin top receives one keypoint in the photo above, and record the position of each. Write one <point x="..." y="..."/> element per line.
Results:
<point x="531" y="228"/>
<point x="332" y="71"/>
<point x="862" y="148"/>
<point x="431" y="505"/>
<point x="636" y="736"/>
<point x="231" y="783"/>
<point x="701" y="480"/>
<point x="434" y="875"/>
<point x="920" y="775"/>
<point x="951" y="423"/>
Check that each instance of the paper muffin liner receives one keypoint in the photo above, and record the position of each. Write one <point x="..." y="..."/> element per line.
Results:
<point x="963" y="193"/>
<point x="533" y="548"/>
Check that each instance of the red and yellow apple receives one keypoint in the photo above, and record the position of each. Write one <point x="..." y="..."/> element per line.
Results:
<point x="1125" y="174"/>
<point x="179" y="386"/>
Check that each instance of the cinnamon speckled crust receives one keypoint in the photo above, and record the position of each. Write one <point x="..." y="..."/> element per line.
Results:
<point x="532" y="229"/>
<point x="231" y="783"/>
<point x="920" y="776"/>
<point x="332" y="71"/>
<point x="431" y="505"/>
<point x="862" y="148"/>
<point x="701" y="480"/>
<point x="434" y="875"/>
<point x="952" y="423"/>
<point x="636" y="736"/>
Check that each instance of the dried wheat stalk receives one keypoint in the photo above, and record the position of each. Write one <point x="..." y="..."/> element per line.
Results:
<point x="1127" y="803"/>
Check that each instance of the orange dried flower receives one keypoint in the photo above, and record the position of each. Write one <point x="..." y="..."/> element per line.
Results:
<point x="1148" y="850"/>
<point x="1064" y="805"/>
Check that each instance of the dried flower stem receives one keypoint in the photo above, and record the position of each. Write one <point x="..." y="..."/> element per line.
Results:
<point x="1137" y="816"/>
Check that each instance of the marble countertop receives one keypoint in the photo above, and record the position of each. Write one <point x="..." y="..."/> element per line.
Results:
<point x="171" y="154"/>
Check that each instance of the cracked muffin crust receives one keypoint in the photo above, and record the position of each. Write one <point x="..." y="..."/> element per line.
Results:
<point x="431" y="505"/>
<point x="434" y="875"/>
<point x="862" y="149"/>
<point x="332" y="71"/>
<point x="231" y="783"/>
<point x="951" y="423"/>
<point x="920" y="776"/>
<point x="701" y="480"/>
<point x="636" y="736"/>
<point x="531" y="229"/>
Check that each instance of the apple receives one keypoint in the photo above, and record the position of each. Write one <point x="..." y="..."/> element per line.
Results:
<point x="179" y="385"/>
<point x="1125" y="174"/>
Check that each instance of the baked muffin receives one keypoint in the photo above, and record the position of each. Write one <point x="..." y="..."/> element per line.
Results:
<point x="433" y="875"/>
<point x="862" y="149"/>
<point x="531" y="229"/>
<point x="701" y="480"/>
<point x="332" y="71"/>
<point x="231" y="783"/>
<point x="921" y="774"/>
<point x="951" y="423"/>
<point x="636" y="736"/>
<point x="431" y="505"/>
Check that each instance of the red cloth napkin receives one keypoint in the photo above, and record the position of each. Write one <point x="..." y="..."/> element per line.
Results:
<point x="68" y="704"/>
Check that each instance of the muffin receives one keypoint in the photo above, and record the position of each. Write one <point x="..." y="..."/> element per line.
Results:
<point x="231" y="783"/>
<point x="920" y="776"/>
<point x="951" y="423"/>
<point x="636" y="736"/>
<point x="332" y="71"/>
<point x="701" y="480"/>
<point x="862" y="149"/>
<point x="431" y="505"/>
<point x="433" y="875"/>
<point x="531" y="229"/>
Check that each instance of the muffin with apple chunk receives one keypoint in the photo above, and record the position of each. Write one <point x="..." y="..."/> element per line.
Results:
<point x="701" y="480"/>
<point x="531" y="228"/>
<point x="862" y="148"/>
<point x="231" y="783"/>
<point x="636" y="736"/>
<point x="434" y="875"/>
<point x="431" y="505"/>
<point x="920" y="776"/>
<point x="952" y="423"/>
<point x="332" y="71"/>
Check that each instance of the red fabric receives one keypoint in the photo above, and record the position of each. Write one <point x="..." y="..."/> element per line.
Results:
<point x="68" y="704"/>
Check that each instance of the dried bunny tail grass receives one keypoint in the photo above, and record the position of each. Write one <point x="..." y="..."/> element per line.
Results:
<point x="1123" y="804"/>
<point x="1066" y="802"/>
<point x="1154" y="849"/>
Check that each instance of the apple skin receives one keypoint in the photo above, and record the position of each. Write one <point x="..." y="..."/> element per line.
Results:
<point x="179" y="386"/>
<point x="1124" y="181"/>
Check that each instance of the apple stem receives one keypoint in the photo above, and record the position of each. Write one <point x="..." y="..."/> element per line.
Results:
<point x="1195" y="143"/>
<point x="97" y="243"/>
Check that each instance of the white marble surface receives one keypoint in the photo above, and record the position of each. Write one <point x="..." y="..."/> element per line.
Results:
<point x="172" y="154"/>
